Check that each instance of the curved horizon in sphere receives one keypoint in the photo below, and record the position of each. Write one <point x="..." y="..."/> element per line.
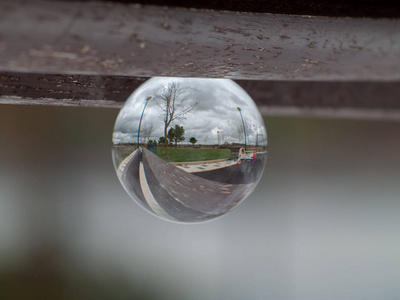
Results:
<point x="189" y="149"/>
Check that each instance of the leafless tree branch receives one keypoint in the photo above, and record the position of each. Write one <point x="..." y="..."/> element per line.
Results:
<point x="175" y="102"/>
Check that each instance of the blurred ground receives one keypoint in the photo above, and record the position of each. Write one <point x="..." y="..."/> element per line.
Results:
<point x="322" y="224"/>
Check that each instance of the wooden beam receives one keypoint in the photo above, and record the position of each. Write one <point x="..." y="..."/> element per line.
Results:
<point x="339" y="98"/>
<point x="102" y="38"/>
<point x="331" y="8"/>
<point x="84" y="53"/>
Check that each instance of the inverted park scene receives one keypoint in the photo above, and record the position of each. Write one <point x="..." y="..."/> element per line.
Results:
<point x="189" y="149"/>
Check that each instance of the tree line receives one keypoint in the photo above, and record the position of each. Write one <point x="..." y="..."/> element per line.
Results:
<point x="175" y="135"/>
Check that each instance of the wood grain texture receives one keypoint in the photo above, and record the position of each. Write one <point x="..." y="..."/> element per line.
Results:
<point x="338" y="98"/>
<point x="95" y="53"/>
<point x="103" y="38"/>
<point x="331" y="8"/>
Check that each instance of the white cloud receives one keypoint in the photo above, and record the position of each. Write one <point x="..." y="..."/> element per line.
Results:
<point x="218" y="100"/>
<point x="119" y="137"/>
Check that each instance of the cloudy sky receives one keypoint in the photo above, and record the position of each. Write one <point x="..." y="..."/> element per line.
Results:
<point x="215" y="114"/>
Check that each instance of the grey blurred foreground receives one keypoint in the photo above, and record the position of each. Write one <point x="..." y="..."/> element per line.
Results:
<point x="323" y="223"/>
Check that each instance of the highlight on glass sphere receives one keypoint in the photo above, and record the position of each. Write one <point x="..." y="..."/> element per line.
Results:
<point x="189" y="149"/>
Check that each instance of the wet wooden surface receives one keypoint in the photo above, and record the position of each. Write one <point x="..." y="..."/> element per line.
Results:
<point x="135" y="40"/>
<point x="323" y="98"/>
<point x="332" y="8"/>
<point x="83" y="53"/>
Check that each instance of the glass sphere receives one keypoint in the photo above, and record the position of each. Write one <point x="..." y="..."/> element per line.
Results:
<point x="189" y="149"/>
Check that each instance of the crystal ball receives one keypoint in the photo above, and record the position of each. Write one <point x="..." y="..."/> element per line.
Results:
<point x="189" y="150"/>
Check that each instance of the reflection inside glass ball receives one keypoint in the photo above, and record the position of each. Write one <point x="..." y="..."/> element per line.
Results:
<point x="189" y="149"/>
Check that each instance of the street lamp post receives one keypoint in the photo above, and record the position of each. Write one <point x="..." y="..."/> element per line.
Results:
<point x="256" y="134"/>
<point x="244" y="128"/>
<point x="141" y="117"/>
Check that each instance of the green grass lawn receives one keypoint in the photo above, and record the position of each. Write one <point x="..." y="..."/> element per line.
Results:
<point x="192" y="154"/>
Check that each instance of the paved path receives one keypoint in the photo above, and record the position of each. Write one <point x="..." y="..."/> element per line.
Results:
<point x="148" y="195"/>
<point x="175" y="194"/>
<point x="196" y="168"/>
<point x="123" y="164"/>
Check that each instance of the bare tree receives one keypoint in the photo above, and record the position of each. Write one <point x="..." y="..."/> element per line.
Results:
<point x="147" y="131"/>
<point x="240" y="131"/>
<point x="175" y="102"/>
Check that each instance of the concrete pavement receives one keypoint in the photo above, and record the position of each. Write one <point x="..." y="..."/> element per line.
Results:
<point x="172" y="193"/>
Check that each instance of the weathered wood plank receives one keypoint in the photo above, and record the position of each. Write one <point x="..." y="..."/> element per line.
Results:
<point x="104" y="38"/>
<point x="332" y="8"/>
<point x="350" y="99"/>
<point x="67" y="90"/>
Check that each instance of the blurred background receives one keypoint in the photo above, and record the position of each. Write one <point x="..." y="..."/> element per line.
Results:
<point x="322" y="224"/>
